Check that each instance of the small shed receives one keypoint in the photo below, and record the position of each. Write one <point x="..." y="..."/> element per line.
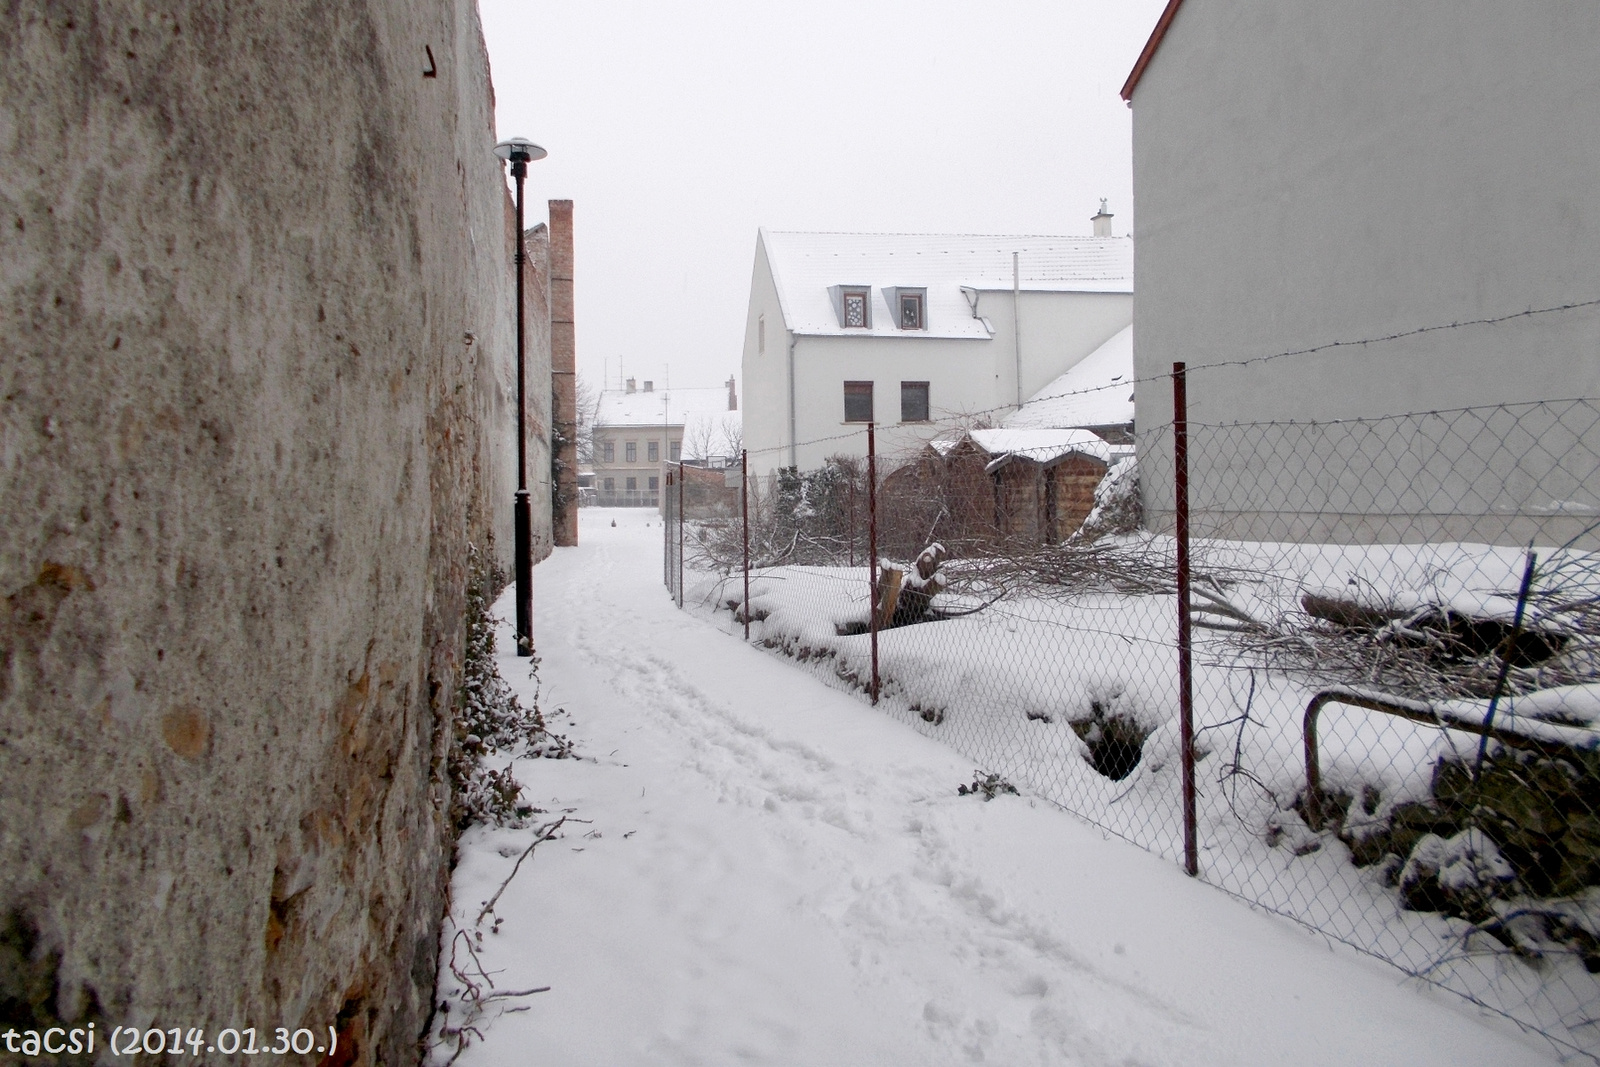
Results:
<point x="980" y="488"/>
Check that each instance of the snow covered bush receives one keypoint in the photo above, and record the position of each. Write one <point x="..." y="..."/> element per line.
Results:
<point x="1116" y="504"/>
<point x="1458" y="875"/>
<point x="490" y="721"/>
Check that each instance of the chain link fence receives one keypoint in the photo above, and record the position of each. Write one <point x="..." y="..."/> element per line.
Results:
<point x="1348" y="671"/>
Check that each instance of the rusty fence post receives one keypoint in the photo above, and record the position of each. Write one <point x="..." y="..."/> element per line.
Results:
<point x="680" y="533"/>
<point x="666" y="544"/>
<point x="872" y="549"/>
<point x="850" y="529"/>
<point x="744" y="511"/>
<point x="1180" y="516"/>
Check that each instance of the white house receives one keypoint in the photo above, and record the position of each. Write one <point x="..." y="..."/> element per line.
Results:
<point x="637" y="430"/>
<point x="1346" y="180"/>
<point x="915" y="332"/>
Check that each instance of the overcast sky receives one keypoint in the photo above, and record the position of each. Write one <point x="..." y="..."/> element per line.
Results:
<point x="678" y="128"/>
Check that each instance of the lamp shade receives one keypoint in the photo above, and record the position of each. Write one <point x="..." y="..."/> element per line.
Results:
<point x="519" y="147"/>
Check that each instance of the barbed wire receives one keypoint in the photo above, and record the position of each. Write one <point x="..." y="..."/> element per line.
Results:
<point x="1193" y="426"/>
<point x="1196" y="369"/>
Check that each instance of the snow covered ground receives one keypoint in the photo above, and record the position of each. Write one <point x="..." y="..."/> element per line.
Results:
<point x="769" y="872"/>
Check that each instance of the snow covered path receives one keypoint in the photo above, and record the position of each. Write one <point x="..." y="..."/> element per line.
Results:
<point x="773" y="873"/>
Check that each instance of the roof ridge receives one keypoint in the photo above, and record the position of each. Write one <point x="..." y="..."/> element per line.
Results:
<point x="949" y="233"/>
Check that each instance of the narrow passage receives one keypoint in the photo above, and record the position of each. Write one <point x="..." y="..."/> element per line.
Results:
<point x="767" y="871"/>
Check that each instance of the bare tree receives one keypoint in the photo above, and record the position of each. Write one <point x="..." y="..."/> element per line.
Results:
<point x="731" y="435"/>
<point x="588" y="405"/>
<point x="700" y="438"/>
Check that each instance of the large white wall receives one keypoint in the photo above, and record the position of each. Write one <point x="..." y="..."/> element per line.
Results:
<point x="1347" y="170"/>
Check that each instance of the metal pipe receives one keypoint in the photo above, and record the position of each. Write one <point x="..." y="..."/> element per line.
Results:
<point x="1016" y="319"/>
<point x="744" y="512"/>
<point x="872" y="549"/>
<point x="1579" y="738"/>
<point x="1180" y="460"/>
<point x="794" y="448"/>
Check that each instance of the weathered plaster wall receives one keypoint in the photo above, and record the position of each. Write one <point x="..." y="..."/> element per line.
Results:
<point x="244" y="445"/>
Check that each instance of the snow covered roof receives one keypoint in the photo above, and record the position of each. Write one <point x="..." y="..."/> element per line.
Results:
<point x="1043" y="446"/>
<point x="1096" y="391"/>
<point x="658" y="407"/>
<point x="805" y="266"/>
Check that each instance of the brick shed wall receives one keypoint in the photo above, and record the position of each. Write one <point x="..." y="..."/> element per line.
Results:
<point x="1076" y="479"/>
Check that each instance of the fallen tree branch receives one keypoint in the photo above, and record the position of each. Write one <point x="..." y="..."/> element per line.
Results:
<point x="543" y="835"/>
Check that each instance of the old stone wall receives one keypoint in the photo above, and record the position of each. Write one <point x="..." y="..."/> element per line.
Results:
<point x="256" y="399"/>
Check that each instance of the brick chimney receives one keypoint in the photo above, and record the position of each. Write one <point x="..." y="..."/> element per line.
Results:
<point x="733" y="397"/>
<point x="632" y="386"/>
<point x="563" y="373"/>
<point x="649" y="386"/>
<point x="1102" y="221"/>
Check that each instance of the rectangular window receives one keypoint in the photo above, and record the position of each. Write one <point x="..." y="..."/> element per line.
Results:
<point x="676" y="451"/>
<point x="655" y="483"/>
<point x="911" y="311"/>
<point x="611" y="451"/>
<point x="761" y="335"/>
<point x="857" y="401"/>
<point x="855" y="308"/>
<point x="631" y="451"/>
<point x="913" y="401"/>
<point x="633" y="485"/>
<point x="611" y="485"/>
<point x="652" y="451"/>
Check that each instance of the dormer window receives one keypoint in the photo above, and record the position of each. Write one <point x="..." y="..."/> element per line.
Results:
<point x="910" y="311"/>
<point x="909" y="306"/>
<point x="853" y="305"/>
<point x="855" y="309"/>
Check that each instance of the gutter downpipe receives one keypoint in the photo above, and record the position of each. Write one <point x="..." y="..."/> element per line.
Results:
<point x="794" y="461"/>
<point x="1016" y="319"/>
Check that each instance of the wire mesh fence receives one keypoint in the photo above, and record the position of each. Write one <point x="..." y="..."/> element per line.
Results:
<point x="1348" y="671"/>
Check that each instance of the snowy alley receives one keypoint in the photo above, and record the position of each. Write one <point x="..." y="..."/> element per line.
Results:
<point x="758" y="869"/>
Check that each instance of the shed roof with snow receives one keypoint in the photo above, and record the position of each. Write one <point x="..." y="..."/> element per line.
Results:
<point x="1096" y="391"/>
<point x="1042" y="446"/>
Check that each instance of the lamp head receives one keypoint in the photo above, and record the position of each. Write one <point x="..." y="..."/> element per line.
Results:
<point x="519" y="150"/>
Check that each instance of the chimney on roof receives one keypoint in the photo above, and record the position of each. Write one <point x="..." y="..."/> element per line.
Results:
<point x="630" y="385"/>
<point x="733" y="397"/>
<point x="649" y="386"/>
<point x="1102" y="221"/>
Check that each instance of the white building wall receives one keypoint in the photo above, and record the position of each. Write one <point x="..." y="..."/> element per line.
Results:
<point x="765" y="374"/>
<point x="969" y="380"/>
<point x="960" y="388"/>
<point x="1348" y="170"/>
<point x="1058" y="330"/>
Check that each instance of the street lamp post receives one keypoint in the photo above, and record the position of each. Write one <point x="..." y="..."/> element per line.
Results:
<point x="520" y="151"/>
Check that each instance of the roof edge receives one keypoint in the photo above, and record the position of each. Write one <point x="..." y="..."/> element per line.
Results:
<point x="1150" y="47"/>
<point x="777" y="286"/>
